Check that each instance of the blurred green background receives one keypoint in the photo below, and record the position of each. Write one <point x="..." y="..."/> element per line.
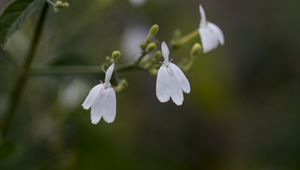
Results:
<point x="243" y="112"/>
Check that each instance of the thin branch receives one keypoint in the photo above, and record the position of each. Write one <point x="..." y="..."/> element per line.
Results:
<point x="184" y="40"/>
<point x="140" y="58"/>
<point x="78" y="70"/>
<point x="22" y="79"/>
<point x="95" y="70"/>
<point x="85" y="70"/>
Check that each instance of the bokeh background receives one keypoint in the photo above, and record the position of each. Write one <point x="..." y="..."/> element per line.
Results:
<point x="243" y="112"/>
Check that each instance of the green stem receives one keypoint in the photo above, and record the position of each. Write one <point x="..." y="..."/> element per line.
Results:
<point x="77" y="70"/>
<point x="184" y="40"/>
<point x="84" y="70"/>
<point x="95" y="70"/>
<point x="138" y="61"/>
<point x="22" y="79"/>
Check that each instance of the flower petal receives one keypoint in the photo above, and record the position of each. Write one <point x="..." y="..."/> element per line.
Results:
<point x="165" y="51"/>
<point x="109" y="105"/>
<point x="97" y="107"/>
<point x="96" y="114"/>
<point x="181" y="78"/>
<point x="203" y="17"/>
<point x="163" y="85"/>
<point x="92" y="96"/>
<point x="217" y="32"/>
<point x="208" y="39"/>
<point x="109" y="73"/>
<point x="175" y="89"/>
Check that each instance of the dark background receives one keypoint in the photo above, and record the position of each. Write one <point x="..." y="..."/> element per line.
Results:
<point x="243" y="112"/>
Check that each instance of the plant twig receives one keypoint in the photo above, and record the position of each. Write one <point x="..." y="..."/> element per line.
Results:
<point x="95" y="70"/>
<point x="78" y="70"/>
<point x="22" y="79"/>
<point x="138" y="61"/>
<point x="184" y="40"/>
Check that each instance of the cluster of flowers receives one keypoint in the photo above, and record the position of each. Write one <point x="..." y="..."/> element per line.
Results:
<point x="171" y="81"/>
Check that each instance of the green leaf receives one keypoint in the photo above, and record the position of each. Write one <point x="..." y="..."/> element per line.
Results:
<point x="14" y="16"/>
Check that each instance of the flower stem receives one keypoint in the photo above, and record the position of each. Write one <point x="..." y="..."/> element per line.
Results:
<point x="18" y="89"/>
<point x="85" y="70"/>
<point x="184" y="40"/>
<point x="77" y="70"/>
<point x="94" y="70"/>
<point x="138" y="61"/>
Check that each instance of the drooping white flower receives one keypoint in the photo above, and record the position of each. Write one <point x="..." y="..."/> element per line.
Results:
<point x="171" y="81"/>
<point x="102" y="100"/>
<point x="211" y="35"/>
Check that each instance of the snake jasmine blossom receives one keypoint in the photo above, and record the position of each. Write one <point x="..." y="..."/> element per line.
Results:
<point x="210" y="34"/>
<point x="171" y="81"/>
<point x="102" y="100"/>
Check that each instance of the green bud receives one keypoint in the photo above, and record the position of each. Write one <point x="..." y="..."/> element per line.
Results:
<point x="196" y="49"/>
<point x="66" y="5"/>
<point x="116" y="55"/>
<point x="121" y="85"/>
<point x="59" y="3"/>
<point x="151" y="47"/>
<point x="153" y="71"/>
<point x="157" y="56"/>
<point x="154" y="30"/>
<point x="154" y="60"/>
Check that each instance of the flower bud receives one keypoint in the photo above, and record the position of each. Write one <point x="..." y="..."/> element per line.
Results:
<point x="116" y="55"/>
<point x="153" y="71"/>
<point x="121" y="85"/>
<point x="157" y="56"/>
<point x="151" y="47"/>
<point x="154" y="60"/>
<point x="58" y="3"/>
<point x="154" y="30"/>
<point x="66" y="5"/>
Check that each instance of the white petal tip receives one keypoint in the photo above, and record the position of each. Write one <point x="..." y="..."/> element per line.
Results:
<point x="85" y="107"/>
<point x="187" y="91"/>
<point x="163" y="100"/>
<point x="200" y="7"/>
<point x="165" y="51"/>
<point x="109" y="121"/>
<point x="95" y="122"/>
<point x="178" y="103"/>
<point x="109" y="72"/>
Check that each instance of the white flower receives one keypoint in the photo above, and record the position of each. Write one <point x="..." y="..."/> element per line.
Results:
<point x="102" y="100"/>
<point x="211" y="35"/>
<point x="171" y="82"/>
